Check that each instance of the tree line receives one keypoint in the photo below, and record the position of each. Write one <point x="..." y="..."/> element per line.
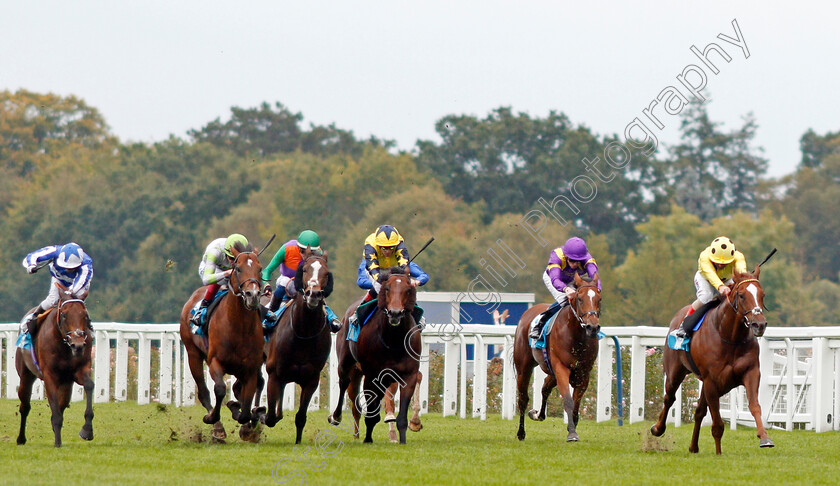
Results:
<point x="146" y="211"/>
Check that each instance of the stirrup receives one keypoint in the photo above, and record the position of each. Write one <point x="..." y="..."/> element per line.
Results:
<point x="679" y="333"/>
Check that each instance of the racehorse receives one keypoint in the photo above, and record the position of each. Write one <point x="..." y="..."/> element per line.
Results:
<point x="62" y="349"/>
<point x="234" y="343"/>
<point x="300" y="345"/>
<point x="572" y="347"/>
<point x="386" y="352"/>
<point x="724" y="354"/>
<point x="390" y="418"/>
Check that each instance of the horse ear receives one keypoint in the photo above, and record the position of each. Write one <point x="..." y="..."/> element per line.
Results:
<point x="578" y="280"/>
<point x="299" y="277"/>
<point x="325" y="255"/>
<point x="329" y="287"/>
<point x="596" y="278"/>
<point x="757" y="271"/>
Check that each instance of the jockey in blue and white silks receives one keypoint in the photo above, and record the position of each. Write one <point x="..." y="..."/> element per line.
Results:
<point x="70" y="266"/>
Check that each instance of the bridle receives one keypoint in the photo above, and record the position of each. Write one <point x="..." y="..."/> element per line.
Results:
<point x="576" y="312"/>
<point x="755" y="311"/>
<point x="66" y="336"/>
<point x="308" y="292"/>
<point x="238" y="290"/>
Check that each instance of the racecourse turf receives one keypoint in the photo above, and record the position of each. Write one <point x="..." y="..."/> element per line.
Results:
<point x="156" y="444"/>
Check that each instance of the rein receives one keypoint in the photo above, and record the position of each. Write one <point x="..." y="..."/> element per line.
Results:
<point x="238" y="292"/>
<point x="755" y="311"/>
<point x="292" y="324"/>
<point x="578" y="315"/>
<point x="67" y="335"/>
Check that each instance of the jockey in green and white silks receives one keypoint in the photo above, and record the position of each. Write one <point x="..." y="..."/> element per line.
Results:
<point x="215" y="269"/>
<point x="70" y="266"/>
<point x="288" y="258"/>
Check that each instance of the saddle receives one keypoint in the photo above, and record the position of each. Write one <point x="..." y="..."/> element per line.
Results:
<point x="694" y="321"/>
<point x="201" y="329"/>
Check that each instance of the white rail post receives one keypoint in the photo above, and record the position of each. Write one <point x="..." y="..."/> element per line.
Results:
<point x="835" y="421"/>
<point x="637" y="380"/>
<point x="144" y="369"/>
<point x="188" y="383"/>
<point x="508" y="381"/>
<point x="333" y="364"/>
<point x="450" y="377"/>
<point x="765" y="365"/>
<point x="179" y="379"/>
<point x="605" y="378"/>
<point x="480" y="379"/>
<point x="790" y="393"/>
<point x="821" y="388"/>
<point x="165" y="371"/>
<point x="424" y="384"/>
<point x="121" y="372"/>
<point x="102" y="368"/>
<point x="12" y="380"/>
<point x="462" y="388"/>
<point x="675" y="413"/>
<point x="289" y="397"/>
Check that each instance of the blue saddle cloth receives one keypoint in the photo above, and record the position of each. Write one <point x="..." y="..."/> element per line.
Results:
<point x="271" y="320"/>
<point x="354" y="329"/>
<point x="201" y="329"/>
<point x="682" y="344"/>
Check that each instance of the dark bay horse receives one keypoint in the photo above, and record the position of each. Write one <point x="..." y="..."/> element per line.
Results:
<point x="725" y="352"/>
<point x="300" y="345"/>
<point x="573" y="347"/>
<point x="63" y="349"/>
<point x="385" y="353"/>
<point x="234" y="343"/>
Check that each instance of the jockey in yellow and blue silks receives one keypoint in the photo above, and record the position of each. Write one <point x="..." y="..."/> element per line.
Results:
<point x="215" y="269"/>
<point x="288" y="258"/>
<point x="384" y="248"/>
<point x="70" y="266"/>
<point x="716" y="266"/>
<point x="559" y="276"/>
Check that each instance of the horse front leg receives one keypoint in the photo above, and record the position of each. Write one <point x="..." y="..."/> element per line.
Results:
<point x="306" y="392"/>
<point x="406" y="393"/>
<point x="562" y="373"/>
<point x="713" y="400"/>
<point x="83" y="378"/>
<point x="414" y="424"/>
<point x="249" y="388"/>
<point x="674" y="376"/>
<point x="344" y="372"/>
<point x="699" y="415"/>
<point x="196" y="362"/>
<point x="523" y="379"/>
<point x="751" y="380"/>
<point x="548" y="384"/>
<point x="58" y="399"/>
<point x="373" y="398"/>
<point x="258" y="411"/>
<point x="219" y="390"/>
<point x="577" y="395"/>
<point x="390" y="415"/>
<point x="274" y="408"/>
<point x="27" y="379"/>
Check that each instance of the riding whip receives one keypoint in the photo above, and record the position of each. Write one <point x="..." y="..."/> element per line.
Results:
<point x="421" y="249"/>
<point x="768" y="257"/>
<point x="266" y="244"/>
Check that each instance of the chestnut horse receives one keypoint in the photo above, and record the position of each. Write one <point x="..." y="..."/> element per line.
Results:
<point x="725" y="353"/>
<point x="386" y="352"/>
<point x="300" y="345"/>
<point x="62" y="349"/>
<point x="234" y="343"/>
<point x="572" y="347"/>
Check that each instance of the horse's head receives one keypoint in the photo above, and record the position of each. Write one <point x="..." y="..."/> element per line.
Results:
<point x="747" y="300"/>
<point x="586" y="305"/>
<point x="245" y="276"/>
<point x="73" y="322"/>
<point x="397" y="296"/>
<point x="314" y="279"/>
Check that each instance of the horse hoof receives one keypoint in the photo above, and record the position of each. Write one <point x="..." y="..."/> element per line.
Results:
<point x="520" y="435"/>
<point x="219" y="433"/>
<point x="656" y="432"/>
<point x="766" y="443"/>
<point x="415" y="426"/>
<point x="368" y="440"/>
<point x="535" y="415"/>
<point x="392" y="436"/>
<point x="389" y="417"/>
<point x="258" y="411"/>
<point x="249" y="434"/>
<point x="572" y="437"/>
<point x="209" y="419"/>
<point x="86" y="434"/>
<point x="333" y="420"/>
<point x="21" y="440"/>
<point x="693" y="450"/>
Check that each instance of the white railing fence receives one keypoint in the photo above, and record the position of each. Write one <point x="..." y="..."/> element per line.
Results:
<point x="800" y="372"/>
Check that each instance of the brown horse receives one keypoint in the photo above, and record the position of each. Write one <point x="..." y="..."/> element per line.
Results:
<point x="385" y="353"/>
<point x="300" y="345"/>
<point x="62" y="349"/>
<point x="572" y="347"/>
<point x="390" y="417"/>
<point x="725" y="352"/>
<point x="234" y="343"/>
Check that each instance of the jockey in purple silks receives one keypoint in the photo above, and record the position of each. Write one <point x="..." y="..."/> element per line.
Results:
<point x="559" y="276"/>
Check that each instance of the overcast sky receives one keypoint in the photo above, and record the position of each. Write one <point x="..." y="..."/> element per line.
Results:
<point x="392" y="68"/>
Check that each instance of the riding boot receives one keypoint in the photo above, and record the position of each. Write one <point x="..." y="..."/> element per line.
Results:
<point x="276" y="299"/>
<point x="417" y="314"/>
<point x="537" y="330"/>
<point x="28" y="328"/>
<point x="197" y="317"/>
<point x="356" y="316"/>
<point x="692" y="317"/>
<point x="335" y="322"/>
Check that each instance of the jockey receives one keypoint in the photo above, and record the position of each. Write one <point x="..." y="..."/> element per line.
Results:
<point x="70" y="266"/>
<point x="716" y="265"/>
<point x="288" y="258"/>
<point x="215" y="269"/>
<point x="559" y="276"/>
<point x="384" y="248"/>
<point x="418" y="278"/>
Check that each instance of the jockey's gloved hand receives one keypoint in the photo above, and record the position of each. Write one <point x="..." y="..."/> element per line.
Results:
<point x="267" y="290"/>
<point x="32" y="270"/>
